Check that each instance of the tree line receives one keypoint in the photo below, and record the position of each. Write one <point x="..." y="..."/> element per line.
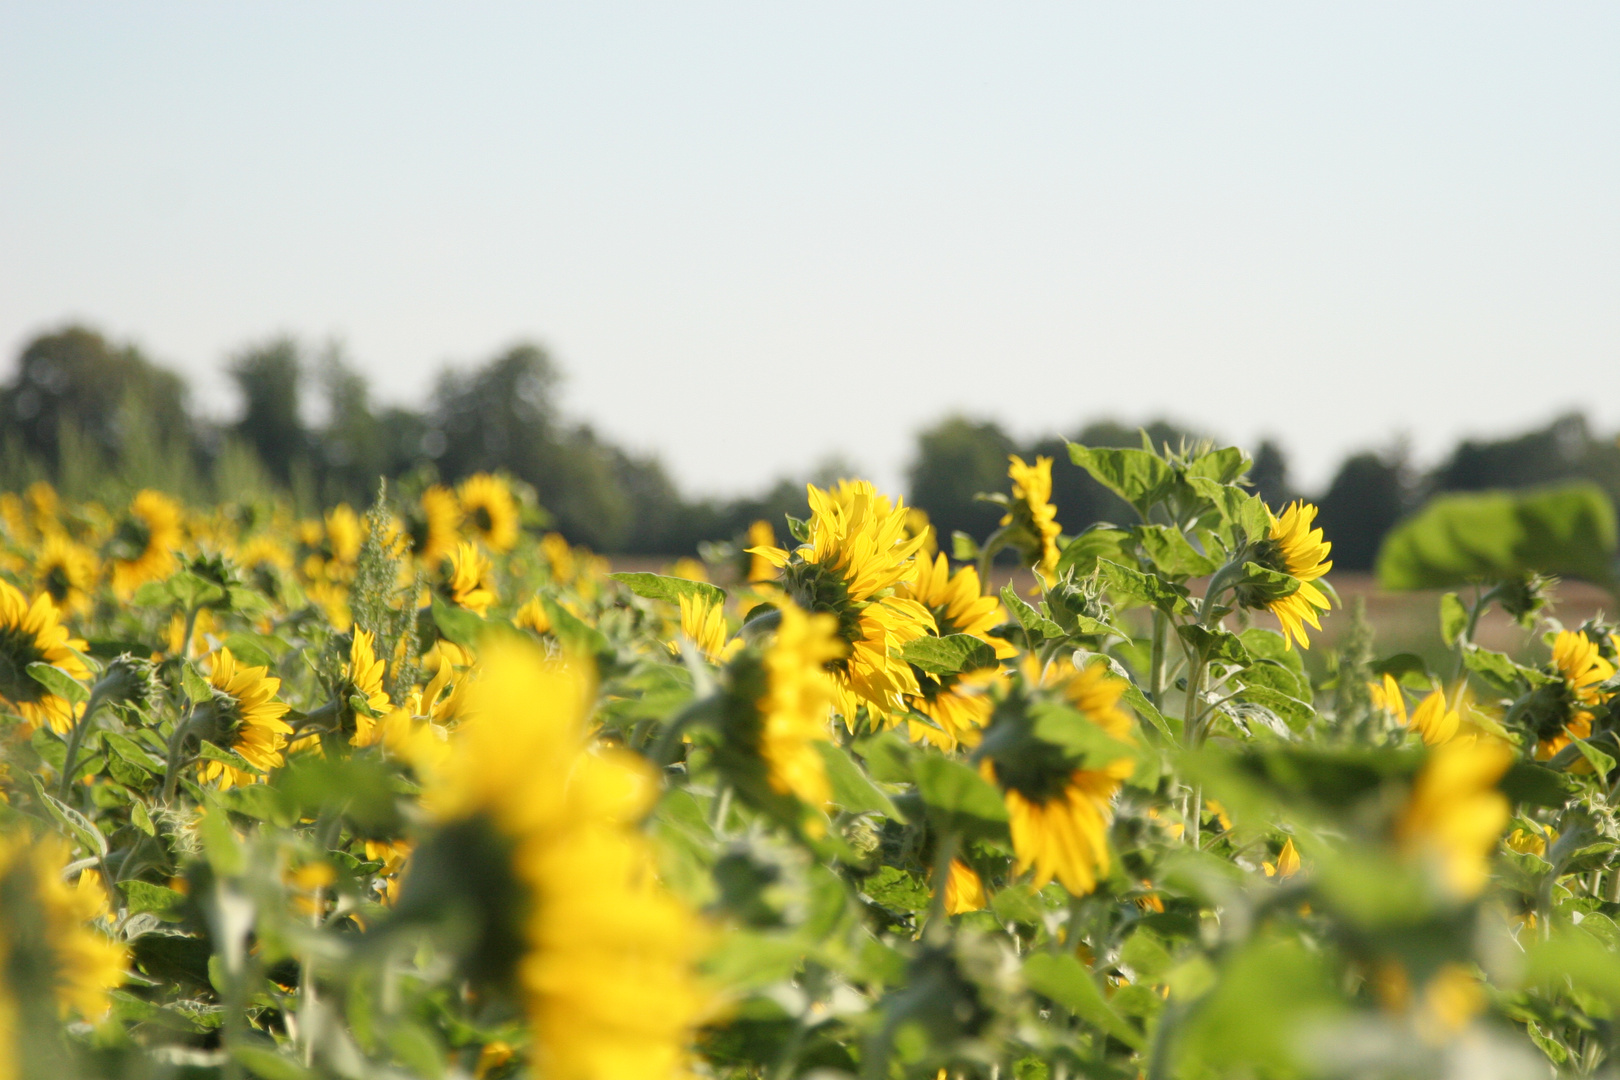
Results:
<point x="100" y="419"/>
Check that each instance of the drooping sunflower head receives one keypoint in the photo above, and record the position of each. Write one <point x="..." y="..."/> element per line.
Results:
<point x="144" y="543"/>
<point x="244" y="715"/>
<point x="54" y="962"/>
<point x="490" y="510"/>
<point x="1060" y="799"/>
<point x="1030" y="515"/>
<point x="433" y="525"/>
<point x="66" y="571"/>
<point x="1294" y="548"/>
<point x="31" y="633"/>
<point x="536" y="855"/>
<point x="469" y="578"/>
<point x="858" y="553"/>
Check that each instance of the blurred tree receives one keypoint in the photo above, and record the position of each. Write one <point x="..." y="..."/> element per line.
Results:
<point x="1565" y="449"/>
<point x="74" y="385"/>
<point x="269" y="377"/>
<point x="956" y="460"/>
<point x="1370" y="493"/>
<point x="1269" y="475"/>
<point x="354" y="445"/>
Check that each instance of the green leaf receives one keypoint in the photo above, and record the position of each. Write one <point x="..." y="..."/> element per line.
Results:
<point x="851" y="788"/>
<point x="1601" y="762"/>
<point x="897" y="890"/>
<point x="1061" y="977"/>
<point x="1070" y="729"/>
<point x="1498" y="667"/>
<point x="1097" y="542"/>
<point x="1142" y="588"/>
<point x="1139" y="477"/>
<point x="82" y="828"/>
<point x="1219" y="645"/>
<point x="132" y="752"/>
<point x="1457" y="539"/>
<point x="1222" y="465"/>
<point x="1536" y="785"/>
<point x="1171" y="552"/>
<point x="1453" y="618"/>
<point x="266" y="1064"/>
<point x="1243" y="511"/>
<point x="209" y="752"/>
<point x="964" y="548"/>
<point x="1033" y="622"/>
<point x="142" y="820"/>
<point x="949" y="655"/>
<point x="660" y="587"/>
<point x="144" y="896"/>
<point x="58" y="682"/>
<point x="192" y="682"/>
<point x="258" y="650"/>
<point x="457" y="624"/>
<point x="958" y="798"/>
<point x="1138" y="701"/>
<point x="572" y="630"/>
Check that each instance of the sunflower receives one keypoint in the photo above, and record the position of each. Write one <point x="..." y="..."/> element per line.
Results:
<point x="797" y="704"/>
<point x="1435" y="720"/>
<point x="958" y="705"/>
<point x="570" y="912"/>
<point x="468" y="578"/>
<point x="31" y="633"/>
<point x="1455" y="815"/>
<point x="1565" y="709"/>
<point x="1294" y="548"/>
<point x="559" y="558"/>
<point x="1058" y="813"/>
<point x="703" y="623"/>
<point x="363" y="677"/>
<point x="858" y="553"/>
<point x="52" y="960"/>
<point x="245" y="717"/>
<point x="144" y="545"/>
<point x="66" y="571"/>
<point x="1031" y="517"/>
<point x="490" y="510"/>
<point x="964" y="891"/>
<point x="433" y="525"/>
<point x="345" y="533"/>
<point x="760" y="535"/>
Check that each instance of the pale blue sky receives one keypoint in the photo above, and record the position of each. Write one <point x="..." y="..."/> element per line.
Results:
<point x="757" y="234"/>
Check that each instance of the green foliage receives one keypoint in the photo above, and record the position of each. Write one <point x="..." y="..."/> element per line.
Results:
<point x="1488" y="537"/>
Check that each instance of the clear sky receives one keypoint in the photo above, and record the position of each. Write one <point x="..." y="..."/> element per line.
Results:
<point x="754" y="235"/>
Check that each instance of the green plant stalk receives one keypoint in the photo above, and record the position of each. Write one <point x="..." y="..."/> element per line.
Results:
<point x="75" y="740"/>
<point x="944" y="853"/>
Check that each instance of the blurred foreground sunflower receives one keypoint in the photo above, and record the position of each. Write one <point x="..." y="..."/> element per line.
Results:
<point x="538" y="853"/>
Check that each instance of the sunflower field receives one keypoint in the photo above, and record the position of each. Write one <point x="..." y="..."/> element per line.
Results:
<point x="424" y="791"/>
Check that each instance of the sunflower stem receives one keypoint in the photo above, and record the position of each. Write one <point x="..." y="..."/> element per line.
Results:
<point x="75" y="740"/>
<point x="944" y="853"/>
<point x="1161" y="626"/>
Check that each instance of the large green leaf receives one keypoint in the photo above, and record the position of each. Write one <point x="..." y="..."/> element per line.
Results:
<point x="1456" y="539"/>
<point x="1139" y="477"/>
<point x="950" y="654"/>
<point x="663" y="587"/>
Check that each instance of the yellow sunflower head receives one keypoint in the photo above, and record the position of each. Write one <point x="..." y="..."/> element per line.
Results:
<point x="31" y="633"/>
<point x="1455" y="815"/>
<point x="54" y="962"/>
<point x="759" y="535"/>
<point x="469" y="578"/>
<point x="1031" y="517"/>
<point x="537" y="856"/>
<point x="144" y="544"/>
<point x="490" y="510"/>
<point x="363" y="678"/>
<point x="1059" y="798"/>
<point x="703" y="623"/>
<point x="858" y="553"/>
<point x="245" y="716"/>
<point x="1565" y="708"/>
<point x="1292" y="547"/>
<point x="66" y="571"/>
<point x="345" y="533"/>
<point x="433" y="525"/>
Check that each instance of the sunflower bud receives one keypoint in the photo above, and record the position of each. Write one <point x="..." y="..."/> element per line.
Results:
<point x="128" y="682"/>
<point x="1524" y="596"/>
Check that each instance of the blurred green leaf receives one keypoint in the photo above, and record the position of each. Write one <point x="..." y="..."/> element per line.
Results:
<point x="58" y="682"/>
<point x="1061" y="977"/>
<point x="1457" y="539"/>
<point x="949" y="655"/>
<point x="661" y="587"/>
<point x="850" y="787"/>
<point x="1453" y="618"/>
<point x="958" y="798"/>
